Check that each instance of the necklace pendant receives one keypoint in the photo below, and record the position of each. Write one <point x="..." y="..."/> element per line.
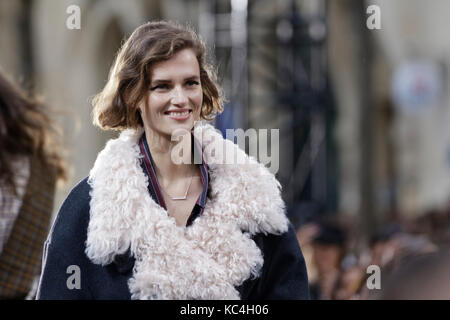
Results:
<point x="179" y="198"/>
<point x="185" y="194"/>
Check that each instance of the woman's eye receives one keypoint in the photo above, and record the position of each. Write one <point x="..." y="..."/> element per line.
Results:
<point x="192" y="83"/>
<point x="160" y="86"/>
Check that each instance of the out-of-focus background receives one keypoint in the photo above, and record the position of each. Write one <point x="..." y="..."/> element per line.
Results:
<point x="358" y="89"/>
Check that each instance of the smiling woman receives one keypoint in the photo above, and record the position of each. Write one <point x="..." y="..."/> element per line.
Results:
<point x="175" y="94"/>
<point x="130" y="79"/>
<point x="146" y="226"/>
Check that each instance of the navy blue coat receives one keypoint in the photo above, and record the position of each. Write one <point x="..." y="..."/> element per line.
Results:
<point x="283" y="274"/>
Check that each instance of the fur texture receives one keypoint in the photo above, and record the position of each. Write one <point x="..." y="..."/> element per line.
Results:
<point x="204" y="261"/>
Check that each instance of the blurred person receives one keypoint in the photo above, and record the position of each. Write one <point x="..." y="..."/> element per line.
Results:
<point x="142" y="226"/>
<point x="30" y="165"/>
<point x="392" y="242"/>
<point x="383" y="243"/>
<point x="419" y="276"/>
<point x="328" y="251"/>
<point x="433" y="223"/>
<point x="402" y="248"/>
<point x="305" y="236"/>
<point x="350" y="279"/>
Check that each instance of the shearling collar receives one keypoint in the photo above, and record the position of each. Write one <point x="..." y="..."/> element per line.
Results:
<point x="204" y="261"/>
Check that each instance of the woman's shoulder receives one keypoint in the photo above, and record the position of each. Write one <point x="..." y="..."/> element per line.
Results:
<point x="77" y="202"/>
<point x="73" y="217"/>
<point x="79" y="193"/>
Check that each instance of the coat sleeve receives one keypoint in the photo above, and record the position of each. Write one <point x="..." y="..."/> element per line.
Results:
<point x="63" y="258"/>
<point x="283" y="275"/>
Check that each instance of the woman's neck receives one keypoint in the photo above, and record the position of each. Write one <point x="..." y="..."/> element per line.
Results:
<point x="172" y="159"/>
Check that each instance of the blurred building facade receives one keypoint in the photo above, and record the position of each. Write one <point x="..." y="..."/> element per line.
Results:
<point x="310" y="68"/>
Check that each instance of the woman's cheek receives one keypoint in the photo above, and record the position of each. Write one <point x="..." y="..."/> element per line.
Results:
<point x="156" y="106"/>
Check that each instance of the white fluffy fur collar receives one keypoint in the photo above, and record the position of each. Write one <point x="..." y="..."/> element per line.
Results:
<point x="206" y="260"/>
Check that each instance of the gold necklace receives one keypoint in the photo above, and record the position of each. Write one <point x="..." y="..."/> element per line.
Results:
<point x="185" y="194"/>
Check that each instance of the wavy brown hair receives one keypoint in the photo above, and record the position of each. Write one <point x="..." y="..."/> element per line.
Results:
<point x="116" y="106"/>
<point x="25" y="130"/>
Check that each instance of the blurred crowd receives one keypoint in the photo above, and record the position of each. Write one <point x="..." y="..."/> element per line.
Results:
<point x="410" y="257"/>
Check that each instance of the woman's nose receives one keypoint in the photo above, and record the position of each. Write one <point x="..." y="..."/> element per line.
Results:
<point x="179" y="97"/>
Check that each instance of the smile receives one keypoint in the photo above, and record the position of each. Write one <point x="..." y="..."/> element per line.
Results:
<point x="179" y="114"/>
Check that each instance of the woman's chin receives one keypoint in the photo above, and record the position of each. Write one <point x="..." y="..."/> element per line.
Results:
<point x="178" y="129"/>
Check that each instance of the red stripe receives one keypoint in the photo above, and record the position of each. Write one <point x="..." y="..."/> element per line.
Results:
<point x="151" y="173"/>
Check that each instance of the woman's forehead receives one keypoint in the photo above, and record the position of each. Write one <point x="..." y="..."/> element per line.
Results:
<point x="183" y="64"/>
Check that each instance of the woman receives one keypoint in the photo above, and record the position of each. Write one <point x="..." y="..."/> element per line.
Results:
<point x="159" y="220"/>
<point x="29" y="168"/>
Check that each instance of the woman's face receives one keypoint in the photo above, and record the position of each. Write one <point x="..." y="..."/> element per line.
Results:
<point x="175" y="95"/>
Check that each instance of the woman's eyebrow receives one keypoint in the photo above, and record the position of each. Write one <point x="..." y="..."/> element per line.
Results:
<point x="160" y="81"/>
<point x="194" y="77"/>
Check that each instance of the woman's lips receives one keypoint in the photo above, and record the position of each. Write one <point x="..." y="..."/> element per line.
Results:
<point x="179" y="115"/>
